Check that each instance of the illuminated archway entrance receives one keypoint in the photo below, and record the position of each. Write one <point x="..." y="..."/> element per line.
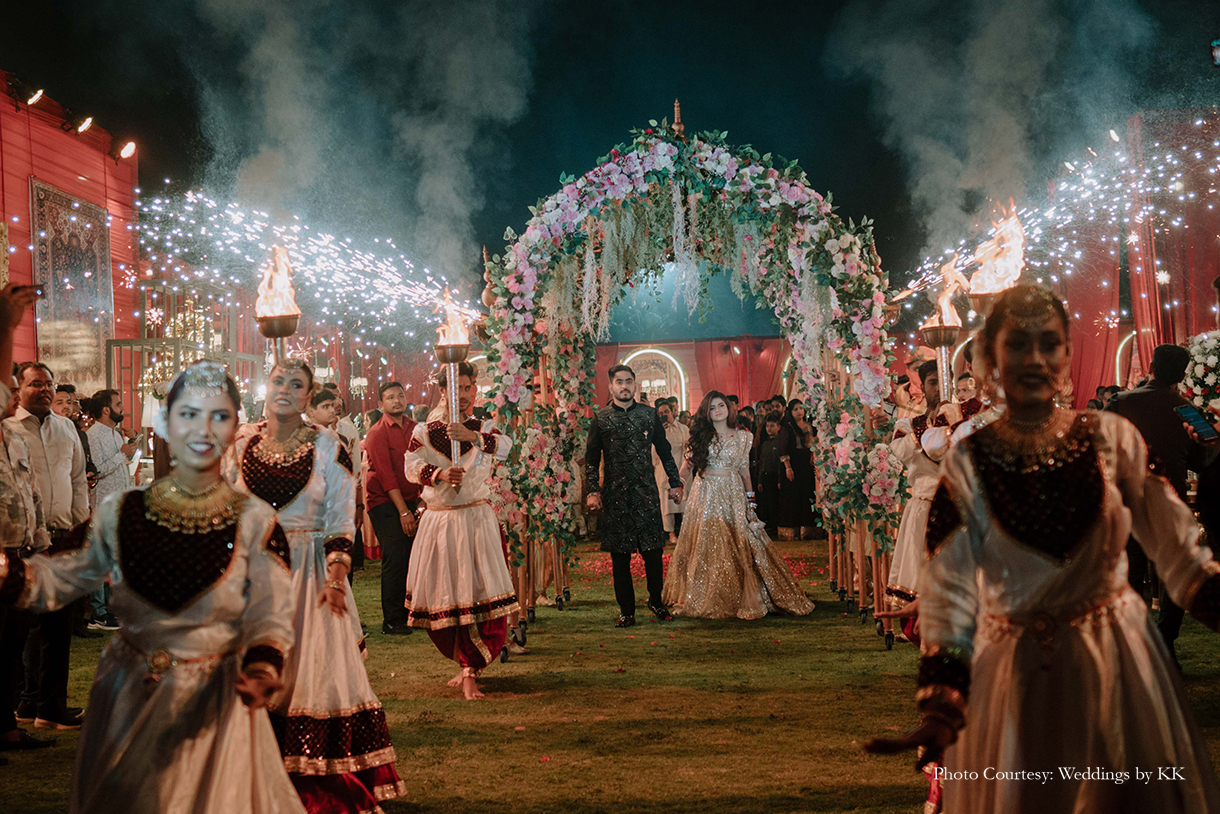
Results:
<point x="658" y="373"/>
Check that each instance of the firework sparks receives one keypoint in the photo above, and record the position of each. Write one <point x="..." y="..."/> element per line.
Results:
<point x="382" y="298"/>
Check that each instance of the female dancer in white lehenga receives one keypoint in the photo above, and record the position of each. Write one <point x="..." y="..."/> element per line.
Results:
<point x="330" y="725"/>
<point x="1037" y="655"/>
<point x="723" y="565"/>
<point x="202" y="590"/>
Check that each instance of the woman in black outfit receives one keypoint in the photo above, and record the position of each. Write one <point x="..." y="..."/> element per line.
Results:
<point x="796" y="482"/>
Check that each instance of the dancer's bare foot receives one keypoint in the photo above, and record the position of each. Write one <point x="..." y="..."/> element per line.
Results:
<point x="456" y="681"/>
<point x="470" y="689"/>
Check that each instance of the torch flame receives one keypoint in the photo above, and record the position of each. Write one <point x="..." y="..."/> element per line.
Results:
<point x="946" y="314"/>
<point x="454" y="331"/>
<point x="275" y="294"/>
<point x="1002" y="258"/>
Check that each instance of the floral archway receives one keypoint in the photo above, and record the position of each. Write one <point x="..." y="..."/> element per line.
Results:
<point x="697" y="207"/>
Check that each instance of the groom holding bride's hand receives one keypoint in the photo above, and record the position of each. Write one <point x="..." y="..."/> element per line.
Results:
<point x="626" y="432"/>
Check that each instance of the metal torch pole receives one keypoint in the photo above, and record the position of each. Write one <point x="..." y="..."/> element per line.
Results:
<point x="944" y="371"/>
<point x="455" y="447"/>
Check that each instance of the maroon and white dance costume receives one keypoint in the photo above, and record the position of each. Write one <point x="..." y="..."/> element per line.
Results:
<point x="921" y="445"/>
<point x="1035" y="646"/>
<point x="458" y="585"/>
<point x="202" y="590"/>
<point x="331" y="727"/>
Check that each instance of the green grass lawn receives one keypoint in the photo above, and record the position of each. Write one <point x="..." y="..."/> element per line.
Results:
<point x="690" y="716"/>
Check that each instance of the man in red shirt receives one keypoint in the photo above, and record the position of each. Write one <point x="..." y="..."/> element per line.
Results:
<point x="391" y="501"/>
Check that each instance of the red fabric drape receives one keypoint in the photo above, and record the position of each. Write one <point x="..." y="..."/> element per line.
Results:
<point x="746" y="366"/>
<point x="766" y="367"/>
<point x="1183" y="242"/>
<point x="1090" y="289"/>
<point x="719" y="367"/>
<point x="607" y="357"/>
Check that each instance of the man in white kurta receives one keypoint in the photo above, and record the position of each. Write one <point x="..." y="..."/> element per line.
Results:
<point x="458" y="585"/>
<point x="678" y="436"/>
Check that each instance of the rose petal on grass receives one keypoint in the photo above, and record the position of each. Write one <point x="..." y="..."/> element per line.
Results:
<point x="654" y="642"/>
<point x="522" y="729"/>
<point x="620" y="670"/>
<point x="546" y="759"/>
<point x="672" y="636"/>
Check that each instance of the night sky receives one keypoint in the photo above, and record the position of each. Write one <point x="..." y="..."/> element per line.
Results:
<point x="759" y="71"/>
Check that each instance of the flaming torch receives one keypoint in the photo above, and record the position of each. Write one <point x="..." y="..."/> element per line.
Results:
<point x="941" y="329"/>
<point x="1001" y="260"/>
<point x="276" y="307"/>
<point x="452" y="346"/>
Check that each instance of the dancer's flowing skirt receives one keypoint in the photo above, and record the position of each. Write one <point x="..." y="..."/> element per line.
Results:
<point x="910" y="553"/>
<point x="185" y="743"/>
<point x="458" y="584"/>
<point x="330" y="725"/>
<point x="1104" y="695"/>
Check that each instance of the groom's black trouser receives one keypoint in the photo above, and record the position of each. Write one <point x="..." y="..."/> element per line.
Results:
<point x="624" y="590"/>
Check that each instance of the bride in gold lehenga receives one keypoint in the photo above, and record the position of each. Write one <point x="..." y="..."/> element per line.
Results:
<point x="723" y="565"/>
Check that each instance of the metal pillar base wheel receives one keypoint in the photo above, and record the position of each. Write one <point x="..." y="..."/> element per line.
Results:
<point x="519" y="634"/>
<point x="567" y="595"/>
<point x="889" y="640"/>
<point x="834" y="586"/>
<point x="504" y="655"/>
<point x="881" y="627"/>
<point x="559" y="602"/>
<point x="864" y="611"/>
<point x="842" y="594"/>
<point x="851" y="605"/>
<point x="529" y="614"/>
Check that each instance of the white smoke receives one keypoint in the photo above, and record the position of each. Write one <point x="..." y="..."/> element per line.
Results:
<point x="366" y="116"/>
<point x="474" y="79"/>
<point x="969" y="93"/>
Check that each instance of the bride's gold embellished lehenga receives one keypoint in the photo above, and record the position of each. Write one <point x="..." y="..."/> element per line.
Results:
<point x="1035" y="646"/>
<point x="202" y="589"/>
<point x="723" y="565"/>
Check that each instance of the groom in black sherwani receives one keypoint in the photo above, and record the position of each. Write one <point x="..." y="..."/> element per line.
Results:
<point x="626" y="431"/>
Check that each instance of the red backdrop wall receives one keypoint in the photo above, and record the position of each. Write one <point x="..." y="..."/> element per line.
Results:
<point x="1188" y="249"/>
<point x="33" y="144"/>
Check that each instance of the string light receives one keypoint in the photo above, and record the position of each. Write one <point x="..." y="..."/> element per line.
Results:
<point x="1099" y="199"/>
<point x="377" y="298"/>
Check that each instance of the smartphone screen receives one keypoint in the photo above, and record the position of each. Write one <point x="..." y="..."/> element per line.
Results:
<point x="1198" y="421"/>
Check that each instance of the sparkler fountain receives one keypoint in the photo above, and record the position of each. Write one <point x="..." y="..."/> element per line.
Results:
<point x="276" y="309"/>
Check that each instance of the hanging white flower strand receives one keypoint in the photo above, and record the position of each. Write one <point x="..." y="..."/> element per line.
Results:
<point x="589" y="298"/>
